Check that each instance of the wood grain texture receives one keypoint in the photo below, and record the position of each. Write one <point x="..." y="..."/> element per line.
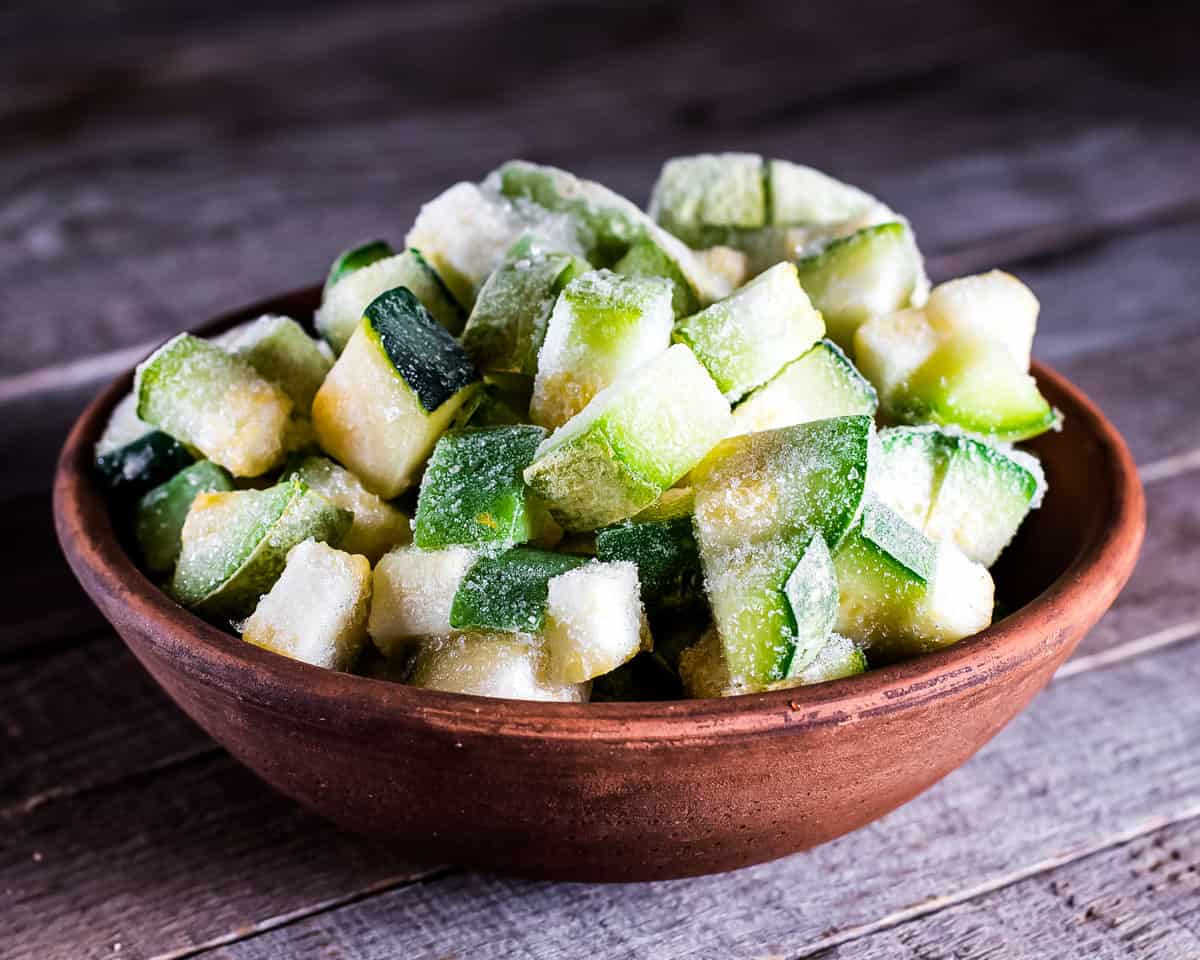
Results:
<point x="1138" y="899"/>
<point x="1017" y="804"/>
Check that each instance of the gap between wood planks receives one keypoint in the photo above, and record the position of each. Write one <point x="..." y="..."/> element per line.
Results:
<point x="1034" y="243"/>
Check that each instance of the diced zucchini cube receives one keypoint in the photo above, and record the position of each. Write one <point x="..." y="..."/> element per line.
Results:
<point x="660" y="542"/>
<point x="394" y="390"/>
<point x="508" y="322"/>
<point x="819" y="384"/>
<point x="355" y="258"/>
<point x="412" y="593"/>
<point x="900" y="594"/>
<point x="709" y="190"/>
<point x="762" y="501"/>
<point x="141" y="464"/>
<point x="377" y="526"/>
<point x="910" y="469"/>
<point x="216" y="403"/>
<point x="317" y="610"/>
<point x="804" y="196"/>
<point x="603" y="325"/>
<point x="344" y="304"/>
<point x="487" y="665"/>
<point x="647" y="259"/>
<point x="889" y="349"/>
<point x="508" y="591"/>
<point x="975" y="384"/>
<point x="594" y="622"/>
<point x="633" y="441"/>
<point x="871" y="272"/>
<point x="994" y="305"/>
<point x="744" y="340"/>
<point x="279" y="349"/>
<point x="474" y="493"/>
<point x="464" y="232"/>
<point x="234" y="544"/>
<point x="160" y="514"/>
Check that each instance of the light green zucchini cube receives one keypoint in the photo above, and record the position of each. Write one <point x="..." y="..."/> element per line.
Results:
<point x="395" y="389"/>
<point x="279" y="349"/>
<point x="709" y="190"/>
<point x="993" y="305"/>
<point x="490" y="665"/>
<point x="355" y="258"/>
<point x="633" y="441"/>
<point x="412" y="593"/>
<point x="603" y="325"/>
<point x="160" y="513"/>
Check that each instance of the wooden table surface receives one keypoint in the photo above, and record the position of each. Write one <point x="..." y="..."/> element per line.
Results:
<point x="162" y="162"/>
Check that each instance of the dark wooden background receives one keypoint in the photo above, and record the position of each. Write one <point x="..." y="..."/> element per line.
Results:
<point x="163" y="162"/>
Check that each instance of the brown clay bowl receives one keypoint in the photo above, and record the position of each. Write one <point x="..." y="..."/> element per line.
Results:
<point x="627" y="791"/>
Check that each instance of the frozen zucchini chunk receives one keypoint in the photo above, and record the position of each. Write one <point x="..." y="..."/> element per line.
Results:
<point x="394" y="390"/>
<point x="900" y="594"/>
<point x="489" y="665"/>
<point x="607" y="225"/>
<point x="508" y="591"/>
<point x="633" y="441"/>
<point x="160" y="513"/>
<point x="508" y="322"/>
<point x="279" y="349"/>
<point x="871" y="272"/>
<point x="648" y="259"/>
<point x="769" y="508"/>
<point x="819" y="384"/>
<point x="804" y="196"/>
<point x="132" y="456"/>
<point x="889" y="349"/>
<point x="344" y="303"/>
<point x="412" y="593"/>
<point x="317" y="610"/>
<point x="957" y="489"/>
<point x="975" y="384"/>
<point x="705" y="673"/>
<point x="660" y="542"/>
<point x="355" y="258"/>
<point x="474" y="493"/>
<point x="594" y="622"/>
<point x="994" y="305"/>
<point x="234" y="544"/>
<point x="709" y="190"/>
<point x="377" y="525"/>
<point x="216" y="403"/>
<point x="602" y="325"/>
<point x="745" y="340"/>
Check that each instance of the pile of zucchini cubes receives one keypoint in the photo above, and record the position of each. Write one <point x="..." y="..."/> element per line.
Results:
<point x="559" y="448"/>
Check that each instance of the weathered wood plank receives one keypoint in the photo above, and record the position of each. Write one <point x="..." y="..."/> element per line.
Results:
<point x="1138" y="899"/>
<point x="1032" y="797"/>
<point x="251" y="214"/>
<point x="174" y="858"/>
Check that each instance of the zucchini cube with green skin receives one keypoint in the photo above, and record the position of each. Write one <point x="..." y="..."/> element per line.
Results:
<point x="412" y="593"/>
<point x="343" y="303"/>
<point x="473" y="492"/>
<point x="660" y="542"/>
<point x="234" y="544"/>
<point x="633" y="441"/>
<point x="607" y="225"/>
<point x="889" y="349"/>
<point x="602" y="325"/>
<point x="761" y="501"/>
<point x="215" y="403"/>
<point x="647" y="259"/>
<point x="872" y="271"/>
<point x="709" y="190"/>
<point x="976" y="385"/>
<point x="594" y="622"/>
<point x="395" y="389"/>
<point x="957" y="489"/>
<point x="994" y="305"/>
<point x="490" y="665"/>
<point x="819" y="384"/>
<point x="160" y="514"/>
<point x="745" y="340"/>
<point x="355" y="258"/>
<point x="377" y="526"/>
<point x="316" y="611"/>
<point x="508" y="591"/>
<point x="279" y="349"/>
<point x="508" y="322"/>
<point x="805" y="196"/>
<point x="901" y="595"/>
<point x="141" y="464"/>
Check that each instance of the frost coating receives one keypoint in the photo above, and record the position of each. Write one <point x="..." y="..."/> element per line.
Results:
<point x="279" y="349"/>
<point x="594" y="621"/>
<point x="413" y="591"/>
<point x="490" y="665"/>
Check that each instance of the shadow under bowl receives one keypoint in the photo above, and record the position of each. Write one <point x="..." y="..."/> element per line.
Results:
<point x="626" y="791"/>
